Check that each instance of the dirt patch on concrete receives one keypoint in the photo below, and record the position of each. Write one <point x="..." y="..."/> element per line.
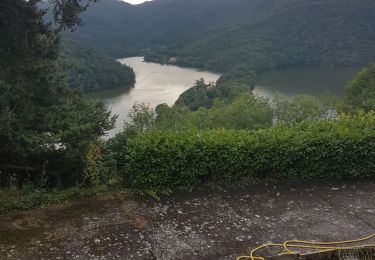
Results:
<point x="204" y="225"/>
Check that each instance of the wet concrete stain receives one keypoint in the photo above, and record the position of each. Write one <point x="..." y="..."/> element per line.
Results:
<point x="200" y="225"/>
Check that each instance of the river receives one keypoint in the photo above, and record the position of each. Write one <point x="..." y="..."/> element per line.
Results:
<point x="304" y="80"/>
<point x="157" y="84"/>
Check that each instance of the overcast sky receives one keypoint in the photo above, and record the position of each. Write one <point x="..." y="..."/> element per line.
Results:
<point x="134" y="2"/>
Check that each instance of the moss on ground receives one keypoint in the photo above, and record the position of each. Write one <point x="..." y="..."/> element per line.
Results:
<point x="14" y="200"/>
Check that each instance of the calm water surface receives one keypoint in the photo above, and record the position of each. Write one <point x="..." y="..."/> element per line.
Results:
<point x="155" y="84"/>
<point x="304" y="80"/>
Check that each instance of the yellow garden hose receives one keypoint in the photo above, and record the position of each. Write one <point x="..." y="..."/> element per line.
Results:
<point x="320" y="246"/>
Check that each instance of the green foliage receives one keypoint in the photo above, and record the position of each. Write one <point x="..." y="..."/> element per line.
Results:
<point x="235" y="37"/>
<point x="227" y="88"/>
<point x="360" y="92"/>
<point x="302" y="107"/>
<point x="245" y="112"/>
<point x="281" y="33"/>
<point x="66" y="12"/>
<point x="160" y="162"/>
<point x="33" y="198"/>
<point x="232" y="33"/>
<point x="235" y="82"/>
<point x="200" y="95"/>
<point x="90" y="71"/>
<point x="141" y="118"/>
<point x="100" y="165"/>
<point x="171" y="117"/>
<point x="121" y="29"/>
<point x="45" y="127"/>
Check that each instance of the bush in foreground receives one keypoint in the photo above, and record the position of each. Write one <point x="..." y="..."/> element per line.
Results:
<point x="160" y="162"/>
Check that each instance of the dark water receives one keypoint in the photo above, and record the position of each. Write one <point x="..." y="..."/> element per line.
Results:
<point x="304" y="80"/>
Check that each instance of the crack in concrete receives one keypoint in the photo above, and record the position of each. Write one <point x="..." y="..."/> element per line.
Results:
<point x="206" y="225"/>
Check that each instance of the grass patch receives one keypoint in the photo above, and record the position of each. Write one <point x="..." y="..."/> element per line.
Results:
<point x="30" y="198"/>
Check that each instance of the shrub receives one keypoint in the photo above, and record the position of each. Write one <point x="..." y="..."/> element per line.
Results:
<point x="100" y="168"/>
<point x="360" y="92"/>
<point x="298" y="108"/>
<point x="160" y="162"/>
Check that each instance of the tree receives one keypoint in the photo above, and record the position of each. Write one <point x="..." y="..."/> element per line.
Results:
<point x="299" y="108"/>
<point x="227" y="88"/>
<point x="141" y="119"/>
<point x="170" y="117"/>
<point x="45" y="128"/>
<point x="245" y="112"/>
<point x="200" y="95"/>
<point x="360" y="92"/>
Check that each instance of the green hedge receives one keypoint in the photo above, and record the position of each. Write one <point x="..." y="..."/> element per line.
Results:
<point x="159" y="162"/>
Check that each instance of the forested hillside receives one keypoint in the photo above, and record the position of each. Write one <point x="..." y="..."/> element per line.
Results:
<point x="223" y="34"/>
<point x="89" y="70"/>
<point x="238" y="38"/>
<point x="121" y="29"/>
<point x="288" y="32"/>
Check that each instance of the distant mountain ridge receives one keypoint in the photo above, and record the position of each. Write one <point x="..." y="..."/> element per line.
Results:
<point x="121" y="29"/>
<point x="287" y="33"/>
<point x="229" y="36"/>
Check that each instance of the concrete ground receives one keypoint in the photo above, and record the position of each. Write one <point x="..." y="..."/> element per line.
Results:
<point x="201" y="225"/>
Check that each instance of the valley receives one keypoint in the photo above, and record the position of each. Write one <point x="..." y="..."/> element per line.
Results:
<point x="155" y="84"/>
<point x="186" y="129"/>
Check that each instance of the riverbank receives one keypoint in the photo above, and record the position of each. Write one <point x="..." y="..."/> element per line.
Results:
<point x="155" y="84"/>
<point x="201" y="225"/>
